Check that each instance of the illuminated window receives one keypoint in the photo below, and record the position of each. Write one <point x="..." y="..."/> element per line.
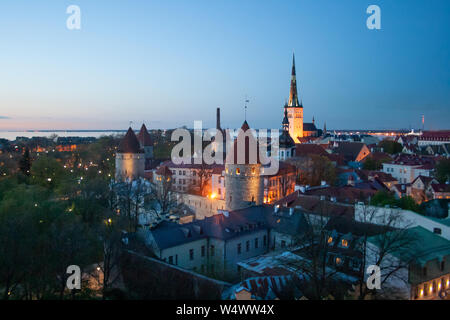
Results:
<point x="344" y="243"/>
<point x="238" y="171"/>
<point x="338" y="261"/>
<point x="330" y="240"/>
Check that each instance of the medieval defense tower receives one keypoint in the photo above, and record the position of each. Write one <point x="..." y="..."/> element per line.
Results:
<point x="130" y="158"/>
<point x="243" y="181"/>
<point x="146" y="143"/>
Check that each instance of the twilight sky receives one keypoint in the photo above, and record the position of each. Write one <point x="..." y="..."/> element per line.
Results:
<point x="169" y="63"/>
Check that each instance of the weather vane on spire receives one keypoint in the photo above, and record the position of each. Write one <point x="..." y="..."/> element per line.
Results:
<point x="245" y="108"/>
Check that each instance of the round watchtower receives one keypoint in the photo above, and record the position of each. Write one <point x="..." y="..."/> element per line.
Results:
<point x="243" y="183"/>
<point x="130" y="159"/>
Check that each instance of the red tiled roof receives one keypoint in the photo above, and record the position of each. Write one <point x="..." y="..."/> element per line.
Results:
<point x="129" y="143"/>
<point x="307" y="139"/>
<point x="427" y="166"/>
<point x="164" y="171"/>
<point x="378" y="156"/>
<point x="347" y="194"/>
<point x="382" y="176"/>
<point x="441" y="187"/>
<point x="306" y="149"/>
<point x="349" y="150"/>
<point x="414" y="160"/>
<point x="339" y="159"/>
<point x="144" y="137"/>
<point x="313" y="204"/>
<point x="440" y="135"/>
<point x="249" y="140"/>
<point x="426" y="180"/>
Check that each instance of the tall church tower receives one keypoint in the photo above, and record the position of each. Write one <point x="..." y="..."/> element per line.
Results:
<point x="294" y="108"/>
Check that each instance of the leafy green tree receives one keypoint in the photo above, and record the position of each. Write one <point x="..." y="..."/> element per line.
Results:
<point x="371" y="164"/>
<point x="382" y="198"/>
<point x="408" y="203"/>
<point x="46" y="172"/>
<point x="390" y="146"/>
<point x="314" y="170"/>
<point x="443" y="170"/>
<point x="19" y="231"/>
<point x="25" y="162"/>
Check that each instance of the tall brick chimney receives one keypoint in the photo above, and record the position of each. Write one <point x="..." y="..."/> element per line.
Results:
<point x="218" y="119"/>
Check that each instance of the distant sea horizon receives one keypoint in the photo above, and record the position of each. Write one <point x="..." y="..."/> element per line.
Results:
<point x="13" y="134"/>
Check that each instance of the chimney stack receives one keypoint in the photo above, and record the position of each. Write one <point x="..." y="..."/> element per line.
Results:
<point x="218" y="119"/>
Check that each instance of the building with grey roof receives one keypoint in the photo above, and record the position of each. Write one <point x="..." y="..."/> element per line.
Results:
<point x="216" y="244"/>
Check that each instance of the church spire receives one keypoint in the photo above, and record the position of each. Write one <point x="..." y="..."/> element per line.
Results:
<point x="285" y="123"/>
<point x="293" y="94"/>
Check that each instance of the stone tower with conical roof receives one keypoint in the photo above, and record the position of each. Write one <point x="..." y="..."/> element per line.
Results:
<point x="146" y="144"/>
<point x="294" y="108"/>
<point x="130" y="158"/>
<point x="243" y="182"/>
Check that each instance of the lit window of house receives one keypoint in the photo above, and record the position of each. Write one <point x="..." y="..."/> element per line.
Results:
<point x="344" y="243"/>
<point x="338" y="261"/>
<point x="330" y="240"/>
